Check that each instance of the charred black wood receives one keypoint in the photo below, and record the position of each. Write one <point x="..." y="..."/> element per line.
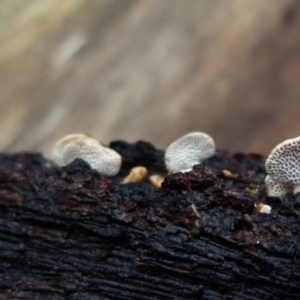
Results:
<point x="70" y="233"/>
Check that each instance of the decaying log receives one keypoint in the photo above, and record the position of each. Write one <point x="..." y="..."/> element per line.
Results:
<point x="70" y="233"/>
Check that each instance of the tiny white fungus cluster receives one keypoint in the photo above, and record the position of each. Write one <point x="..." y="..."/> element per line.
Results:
<point x="282" y="165"/>
<point x="106" y="161"/>
<point x="283" y="168"/>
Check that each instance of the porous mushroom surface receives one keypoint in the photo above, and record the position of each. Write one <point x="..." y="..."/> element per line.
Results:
<point x="283" y="168"/>
<point x="106" y="161"/>
<point x="275" y="189"/>
<point x="189" y="150"/>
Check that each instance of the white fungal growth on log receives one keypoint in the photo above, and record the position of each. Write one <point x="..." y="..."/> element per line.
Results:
<point x="189" y="150"/>
<point x="106" y="161"/>
<point x="283" y="168"/>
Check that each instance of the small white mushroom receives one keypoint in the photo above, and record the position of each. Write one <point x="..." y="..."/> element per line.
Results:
<point x="266" y="209"/>
<point x="283" y="168"/>
<point x="136" y="175"/>
<point x="189" y="150"/>
<point x="106" y="161"/>
<point x="262" y="208"/>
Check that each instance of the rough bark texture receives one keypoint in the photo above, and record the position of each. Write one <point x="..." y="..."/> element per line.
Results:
<point x="69" y="233"/>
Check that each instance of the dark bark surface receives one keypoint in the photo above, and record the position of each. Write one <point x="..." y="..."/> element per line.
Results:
<point x="69" y="233"/>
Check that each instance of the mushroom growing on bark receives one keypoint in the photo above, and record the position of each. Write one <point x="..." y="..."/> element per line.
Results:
<point x="262" y="208"/>
<point x="283" y="168"/>
<point x="106" y="161"/>
<point x="189" y="150"/>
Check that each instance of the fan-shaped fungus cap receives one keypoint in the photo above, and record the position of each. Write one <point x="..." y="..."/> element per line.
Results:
<point x="106" y="161"/>
<point x="283" y="168"/>
<point x="189" y="150"/>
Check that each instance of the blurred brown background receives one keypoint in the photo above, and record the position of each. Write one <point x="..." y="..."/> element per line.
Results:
<point x="151" y="70"/>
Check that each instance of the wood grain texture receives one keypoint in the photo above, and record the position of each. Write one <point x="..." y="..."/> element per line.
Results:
<point x="70" y="233"/>
<point x="151" y="70"/>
